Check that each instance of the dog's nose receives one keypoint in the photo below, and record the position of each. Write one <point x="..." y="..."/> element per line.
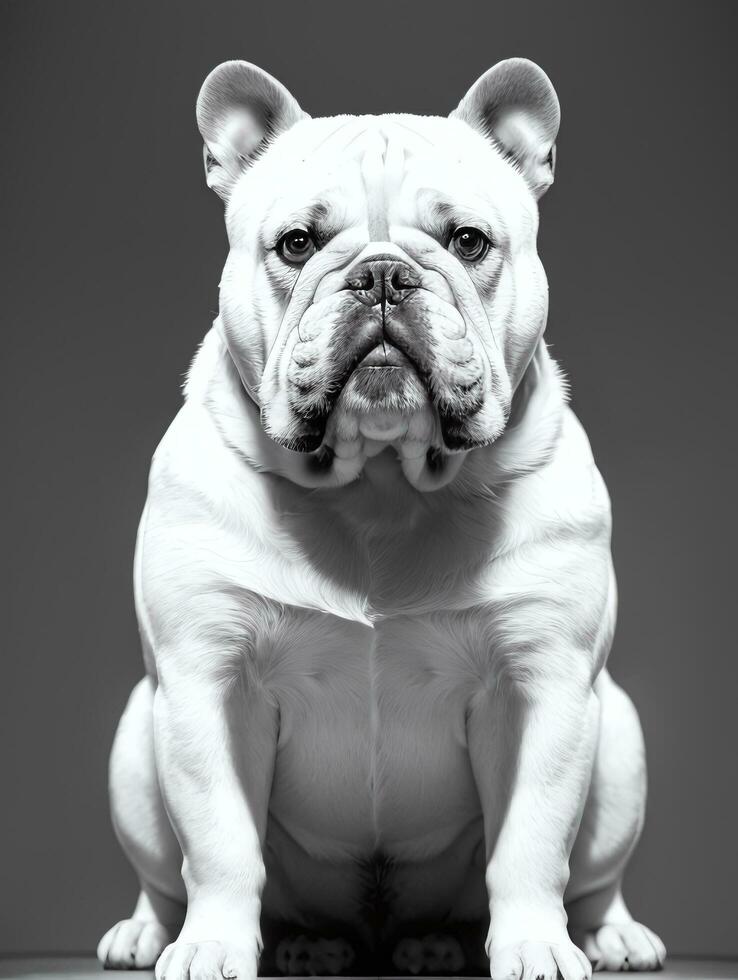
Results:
<point x="382" y="280"/>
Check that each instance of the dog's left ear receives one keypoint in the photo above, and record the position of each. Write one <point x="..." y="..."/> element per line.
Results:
<point x="239" y="109"/>
<point x="515" y="104"/>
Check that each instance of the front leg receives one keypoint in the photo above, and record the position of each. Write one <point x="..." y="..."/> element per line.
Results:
<point x="215" y="746"/>
<point x="531" y="743"/>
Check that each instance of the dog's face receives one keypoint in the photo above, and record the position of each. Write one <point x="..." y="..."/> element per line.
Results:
<point x="383" y="285"/>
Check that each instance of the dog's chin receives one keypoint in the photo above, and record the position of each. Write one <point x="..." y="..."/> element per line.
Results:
<point x="382" y="393"/>
<point x="383" y="390"/>
<point x="382" y="399"/>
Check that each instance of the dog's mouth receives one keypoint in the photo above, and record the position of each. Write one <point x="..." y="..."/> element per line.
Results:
<point x="384" y="382"/>
<point x="371" y="366"/>
<point x="384" y="355"/>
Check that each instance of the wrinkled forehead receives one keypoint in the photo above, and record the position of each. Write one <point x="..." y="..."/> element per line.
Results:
<point x="373" y="172"/>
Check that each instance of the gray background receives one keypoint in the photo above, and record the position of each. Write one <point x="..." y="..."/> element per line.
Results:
<point x="111" y="253"/>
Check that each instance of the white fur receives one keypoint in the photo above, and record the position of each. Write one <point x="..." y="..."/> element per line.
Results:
<point x="372" y="661"/>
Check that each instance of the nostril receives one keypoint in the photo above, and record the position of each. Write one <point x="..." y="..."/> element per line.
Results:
<point x="402" y="279"/>
<point x="364" y="280"/>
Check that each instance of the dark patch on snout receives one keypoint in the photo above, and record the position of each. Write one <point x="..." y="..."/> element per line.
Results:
<point x="465" y="432"/>
<point x="456" y="417"/>
<point x="305" y="442"/>
<point x="303" y="439"/>
<point x="455" y="432"/>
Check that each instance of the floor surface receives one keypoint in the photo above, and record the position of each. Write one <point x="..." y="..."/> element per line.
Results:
<point x="87" y="968"/>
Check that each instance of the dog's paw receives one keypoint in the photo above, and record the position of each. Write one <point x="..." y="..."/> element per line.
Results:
<point x="133" y="945"/>
<point x="539" y="961"/>
<point x="303" y="956"/>
<point x="206" y="960"/>
<point x="435" y="953"/>
<point x="622" y="946"/>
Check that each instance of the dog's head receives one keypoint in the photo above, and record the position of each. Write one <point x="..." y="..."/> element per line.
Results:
<point x="383" y="285"/>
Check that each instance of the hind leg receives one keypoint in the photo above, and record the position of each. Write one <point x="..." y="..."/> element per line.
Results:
<point x="145" y="834"/>
<point x="599" y="920"/>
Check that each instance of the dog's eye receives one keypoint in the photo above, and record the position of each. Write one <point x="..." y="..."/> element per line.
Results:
<point x="296" y="246"/>
<point x="470" y="244"/>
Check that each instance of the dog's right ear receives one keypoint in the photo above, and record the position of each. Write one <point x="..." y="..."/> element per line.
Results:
<point x="239" y="109"/>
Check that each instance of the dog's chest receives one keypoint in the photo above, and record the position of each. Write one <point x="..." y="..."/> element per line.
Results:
<point x="373" y="662"/>
<point x="372" y="752"/>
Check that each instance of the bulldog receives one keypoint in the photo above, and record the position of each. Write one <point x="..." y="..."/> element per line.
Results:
<point x="373" y="575"/>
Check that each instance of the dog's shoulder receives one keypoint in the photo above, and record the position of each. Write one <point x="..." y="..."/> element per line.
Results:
<point x="562" y="504"/>
<point x="199" y="469"/>
<point x="212" y="540"/>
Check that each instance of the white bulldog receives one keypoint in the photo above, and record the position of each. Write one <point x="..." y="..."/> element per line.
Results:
<point x="373" y="575"/>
